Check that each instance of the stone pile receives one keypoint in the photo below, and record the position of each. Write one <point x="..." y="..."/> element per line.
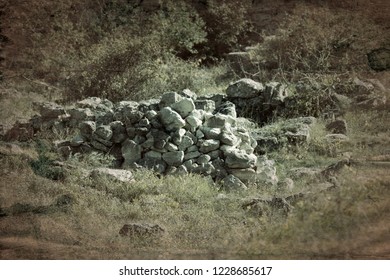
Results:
<point x="257" y="100"/>
<point x="177" y="134"/>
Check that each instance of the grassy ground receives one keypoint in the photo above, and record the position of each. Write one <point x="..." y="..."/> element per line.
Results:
<point x="347" y="222"/>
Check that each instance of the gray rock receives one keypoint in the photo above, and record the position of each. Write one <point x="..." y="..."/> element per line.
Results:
<point x="218" y="98"/>
<point x="185" y="143"/>
<point x="177" y="136"/>
<point x="119" y="133"/>
<point x="160" y="138"/>
<point x="203" y="159"/>
<point x="192" y="148"/>
<point x="77" y="140"/>
<point x="215" y="154"/>
<point x="148" y="144"/>
<point x="173" y="158"/>
<point x="150" y="115"/>
<point x="153" y="155"/>
<point x="170" y="147"/>
<point x="266" y="171"/>
<point x="211" y="133"/>
<point x="131" y="152"/>
<point x="204" y="168"/>
<point x="232" y="183"/>
<point x="244" y="88"/>
<point x="199" y="134"/>
<point x="184" y="107"/>
<point x="207" y="146"/>
<point x="240" y="159"/>
<point x="228" y="138"/>
<point x="113" y="174"/>
<point x="99" y="146"/>
<point x="171" y="119"/>
<point x="104" y="117"/>
<point x="188" y="94"/>
<point x="220" y="121"/>
<point x="193" y="122"/>
<point x="103" y="132"/>
<point x="78" y="115"/>
<point x="191" y="155"/>
<point x="169" y="98"/>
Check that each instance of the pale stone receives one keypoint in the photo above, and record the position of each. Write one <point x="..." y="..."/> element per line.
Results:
<point x="244" y="88"/>
<point x="240" y="159"/>
<point x="208" y="145"/>
<point x="232" y="183"/>
<point x="131" y="152"/>
<point x="184" y="107"/>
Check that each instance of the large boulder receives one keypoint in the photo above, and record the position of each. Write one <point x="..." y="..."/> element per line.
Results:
<point x="244" y="88"/>
<point x="239" y="159"/>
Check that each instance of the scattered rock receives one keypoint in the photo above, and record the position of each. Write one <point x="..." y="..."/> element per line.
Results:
<point x="120" y="175"/>
<point x="232" y="183"/>
<point x="244" y="88"/>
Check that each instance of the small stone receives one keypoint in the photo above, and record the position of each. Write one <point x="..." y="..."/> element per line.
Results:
<point x="192" y="148"/>
<point x="169" y="98"/>
<point x="170" y="147"/>
<point x="203" y="159"/>
<point x="185" y="143"/>
<point x="193" y="122"/>
<point x="188" y="94"/>
<point x="103" y="132"/>
<point x="153" y="155"/>
<point x="99" y="146"/>
<point x="191" y="155"/>
<point x="207" y="146"/>
<point x="211" y="133"/>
